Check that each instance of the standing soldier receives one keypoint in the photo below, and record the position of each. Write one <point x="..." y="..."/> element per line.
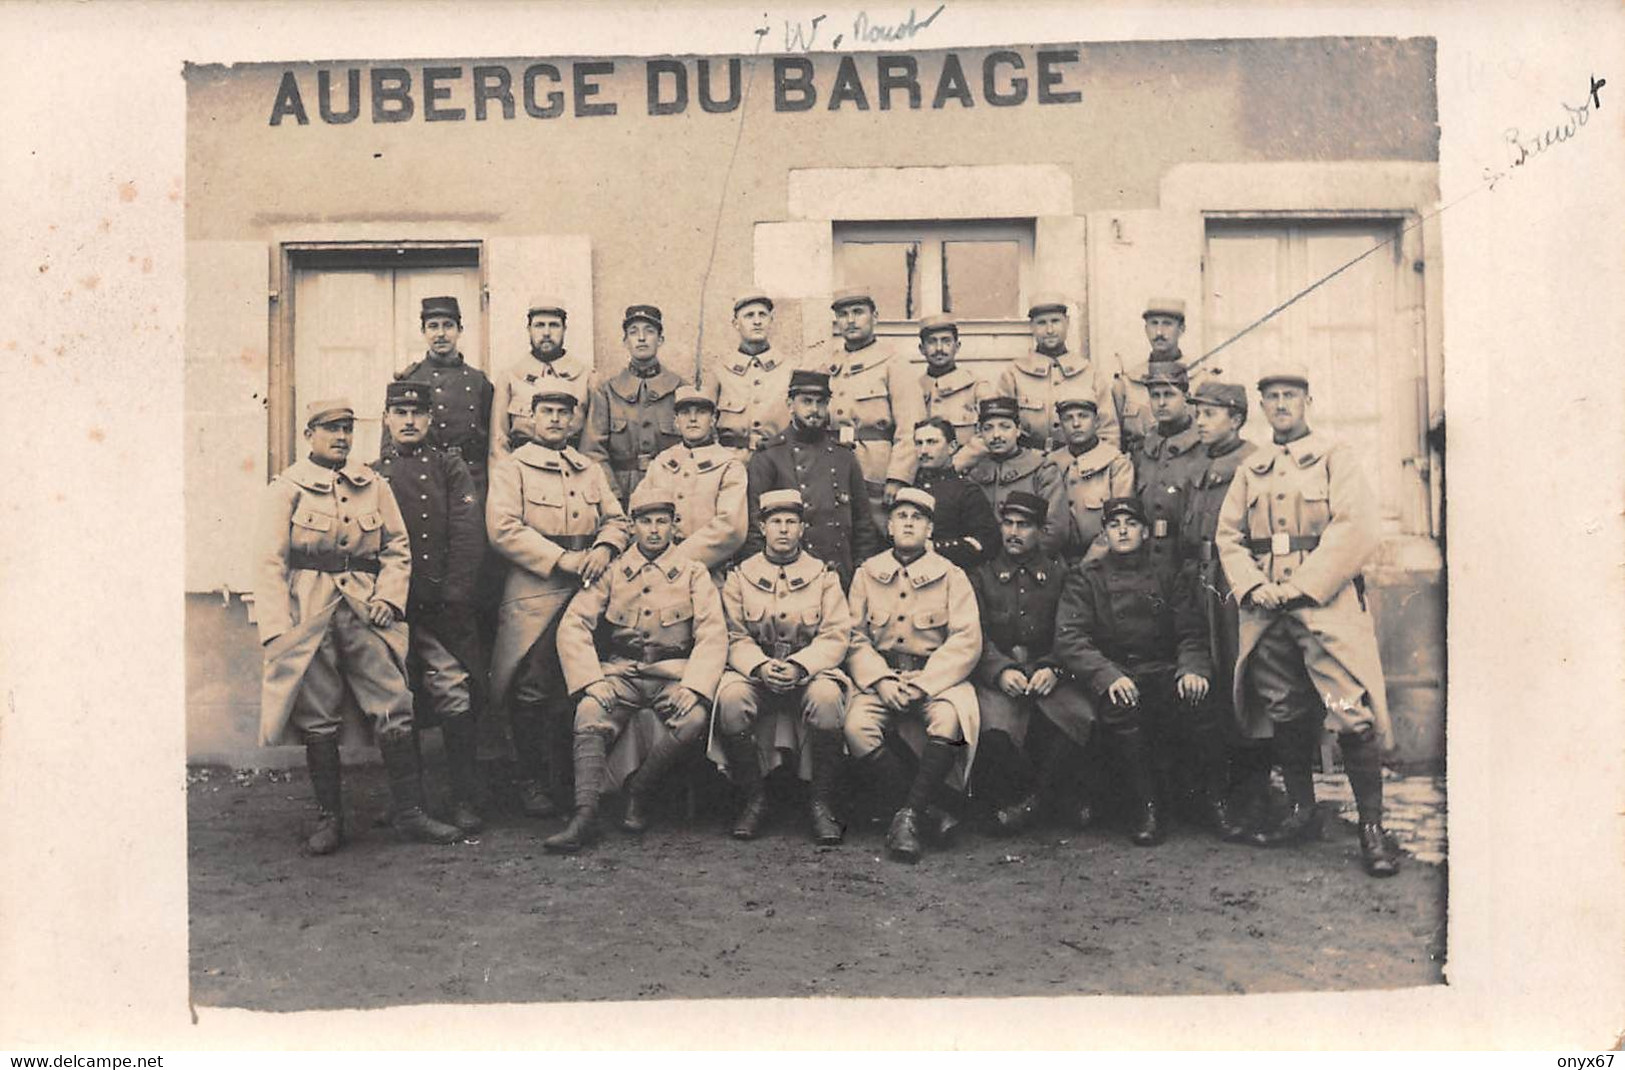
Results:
<point x="1297" y="525"/>
<point x="1221" y="410"/>
<point x="334" y="574"/>
<point x="549" y="368"/>
<point x="1010" y="466"/>
<point x="630" y="418"/>
<point x="916" y="638"/>
<point x="461" y="394"/>
<point x="553" y="514"/>
<point x="437" y="500"/>
<point x="1017" y="594"/>
<point x="949" y="391"/>
<point x="1040" y="378"/>
<point x="1131" y="629"/>
<point x="1092" y="470"/>
<point x="749" y="384"/>
<point x="707" y="482"/>
<point x="1170" y="458"/>
<point x="665" y="646"/>
<point x="788" y="629"/>
<point x="807" y="459"/>
<point x="1164" y="319"/>
<point x="965" y="532"/>
<point x="875" y="401"/>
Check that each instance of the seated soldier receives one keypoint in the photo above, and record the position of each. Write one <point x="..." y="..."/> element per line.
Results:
<point x="1010" y="466"/>
<point x="665" y="647"/>
<point x="788" y="628"/>
<point x="707" y="483"/>
<point x="1092" y="470"/>
<point x="916" y="637"/>
<point x="1017" y="594"/>
<point x="965" y="531"/>
<point x="1132" y="630"/>
<point x="335" y="568"/>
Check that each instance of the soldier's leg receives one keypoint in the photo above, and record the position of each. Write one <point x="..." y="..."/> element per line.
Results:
<point x="447" y="683"/>
<point x="682" y="735"/>
<point x="942" y="741"/>
<point x="1003" y="775"/>
<point x="867" y="719"/>
<point x="1060" y="735"/>
<point x="823" y="706"/>
<point x="1278" y="682"/>
<point x="1348" y="708"/>
<point x="315" y="715"/>
<point x="541" y="720"/>
<point x="379" y="684"/>
<point x="1125" y="727"/>
<point x="738" y="703"/>
<point x="596" y="727"/>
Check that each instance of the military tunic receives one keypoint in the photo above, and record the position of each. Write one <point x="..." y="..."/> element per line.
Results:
<point x="1087" y="480"/>
<point x="840" y="529"/>
<point x="749" y="391"/>
<point x="919" y="624"/>
<point x="332" y="541"/>
<point x="1204" y="498"/>
<point x="954" y="396"/>
<point x="708" y="486"/>
<point x="794" y="612"/>
<point x="1030" y="471"/>
<point x="1018" y="600"/>
<point x="1163" y="468"/>
<point x="461" y="416"/>
<point x="1038" y="381"/>
<point x="1303" y="513"/>
<point x="630" y="420"/>
<point x="963" y="514"/>
<point x="874" y="405"/>
<point x="440" y="505"/>
<point x="512" y="417"/>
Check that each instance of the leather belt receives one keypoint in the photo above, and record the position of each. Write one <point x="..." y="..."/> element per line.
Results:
<point x="741" y="440"/>
<point x="903" y="662"/>
<point x="645" y="652"/>
<point x="640" y="463"/>
<point x="872" y="434"/>
<point x="1284" y="544"/>
<point x="330" y="562"/>
<point x="573" y="542"/>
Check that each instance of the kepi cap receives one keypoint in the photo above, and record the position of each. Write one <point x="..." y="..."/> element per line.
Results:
<point x="753" y="297"/>
<point x="991" y="407"/>
<point x="781" y="501"/>
<point x="547" y="303"/>
<point x="1285" y="372"/>
<point x="1164" y="306"/>
<point x="555" y="395"/>
<point x="408" y="392"/>
<point x="326" y="411"/>
<point x="1165" y="373"/>
<point x="942" y="321"/>
<point x="1063" y="404"/>
<point x="649" y="498"/>
<point x="645" y="313"/>
<point x="852" y="295"/>
<point x="1232" y="396"/>
<point x="916" y="497"/>
<point x="809" y="382"/>
<point x="441" y="306"/>
<point x="689" y="397"/>
<point x="1122" y="507"/>
<point x="1047" y="302"/>
<point x="1020" y="503"/>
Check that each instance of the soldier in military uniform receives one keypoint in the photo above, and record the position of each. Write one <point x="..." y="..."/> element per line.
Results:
<point x="1297" y="525"/>
<point x="446" y="666"/>
<point x="334" y="574"/>
<point x="461" y="394"/>
<point x="1010" y="466"/>
<point x="788" y="629"/>
<point x="1048" y="372"/>
<point x="806" y="458"/>
<point x="1220" y="411"/>
<point x="965" y="531"/>
<point x="708" y="484"/>
<point x="554" y="515"/>
<point x="1092" y="470"/>
<point x="1017" y="594"/>
<point x="875" y="401"/>
<point x="1131" y="629"/>
<point x="1164" y="319"/>
<point x="631" y="417"/>
<point x="749" y="384"/>
<point x="1170" y="457"/>
<point x="548" y="368"/>
<point x="664" y="648"/>
<point x="949" y="391"/>
<point x="916" y="638"/>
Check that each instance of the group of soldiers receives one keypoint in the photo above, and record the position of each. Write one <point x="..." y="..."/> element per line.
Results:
<point x="1059" y="592"/>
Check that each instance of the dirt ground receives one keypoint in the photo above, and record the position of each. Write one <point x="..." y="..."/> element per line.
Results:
<point x="686" y="912"/>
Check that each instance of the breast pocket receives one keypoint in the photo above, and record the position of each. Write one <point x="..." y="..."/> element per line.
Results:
<point x="312" y="529"/>
<point x="871" y="405"/>
<point x="1314" y="509"/>
<point x="676" y="624"/>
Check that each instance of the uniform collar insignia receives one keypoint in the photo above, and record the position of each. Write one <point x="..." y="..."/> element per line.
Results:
<point x="356" y="474"/>
<point x="1021" y="465"/>
<point x="927" y="569"/>
<point x="955" y="381"/>
<point x="1308" y="449"/>
<point x="310" y="475"/>
<point x="537" y="455"/>
<point x="883" y="567"/>
<point x="531" y="377"/>
<point x="1091" y="461"/>
<point x="626" y="383"/>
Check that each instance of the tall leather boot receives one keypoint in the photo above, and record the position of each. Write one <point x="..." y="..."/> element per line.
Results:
<point x="1363" y="765"/>
<point x="1250" y="772"/>
<point x="536" y="758"/>
<point x="884" y="771"/>
<point x="461" y="741"/>
<point x="827" y="747"/>
<point x="590" y="759"/>
<point x="662" y="756"/>
<point x="1294" y="748"/>
<point x="406" y="788"/>
<point x="1213" y="771"/>
<point x="903" y="837"/>
<point x="1145" y="824"/>
<point x="323" y="760"/>
<point x="745" y="769"/>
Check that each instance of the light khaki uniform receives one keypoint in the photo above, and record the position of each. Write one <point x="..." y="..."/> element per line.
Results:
<point x="315" y="623"/>
<point x="1087" y="480"/>
<point x="512" y="414"/>
<point x="874" y="404"/>
<point x="749" y="392"/>
<point x="955" y="397"/>
<point x="918" y="623"/>
<point x="1037" y="382"/>
<point x="709" y="488"/>
<point x="630" y="420"/>
<point x="1029" y="471"/>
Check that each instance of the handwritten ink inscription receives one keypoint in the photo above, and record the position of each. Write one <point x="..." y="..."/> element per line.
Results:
<point x="1522" y="149"/>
